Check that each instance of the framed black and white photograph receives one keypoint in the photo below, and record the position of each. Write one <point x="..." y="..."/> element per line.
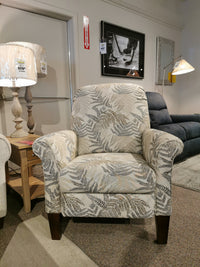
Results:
<point x="124" y="52"/>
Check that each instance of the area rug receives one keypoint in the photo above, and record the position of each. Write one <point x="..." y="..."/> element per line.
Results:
<point x="32" y="246"/>
<point x="187" y="173"/>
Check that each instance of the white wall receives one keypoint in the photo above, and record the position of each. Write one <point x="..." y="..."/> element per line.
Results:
<point x="189" y="84"/>
<point x="89" y="61"/>
<point x="153" y="19"/>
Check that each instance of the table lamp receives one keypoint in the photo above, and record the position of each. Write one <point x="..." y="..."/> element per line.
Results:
<point x="17" y="69"/>
<point x="41" y="64"/>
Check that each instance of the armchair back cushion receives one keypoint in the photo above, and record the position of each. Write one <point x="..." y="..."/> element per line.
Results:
<point x="110" y="118"/>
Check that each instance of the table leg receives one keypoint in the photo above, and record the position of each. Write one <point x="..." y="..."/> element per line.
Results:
<point x="25" y="181"/>
<point x="7" y="171"/>
<point x="30" y="171"/>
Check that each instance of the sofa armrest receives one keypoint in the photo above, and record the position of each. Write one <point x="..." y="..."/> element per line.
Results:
<point x="183" y="118"/>
<point x="160" y="149"/>
<point x="55" y="150"/>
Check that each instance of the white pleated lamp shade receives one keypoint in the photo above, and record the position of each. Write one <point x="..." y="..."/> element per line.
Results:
<point x="40" y="54"/>
<point x="182" y="67"/>
<point x="17" y="66"/>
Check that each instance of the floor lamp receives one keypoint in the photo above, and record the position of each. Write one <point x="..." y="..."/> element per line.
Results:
<point x="181" y="66"/>
<point x="17" y="69"/>
<point x="41" y="64"/>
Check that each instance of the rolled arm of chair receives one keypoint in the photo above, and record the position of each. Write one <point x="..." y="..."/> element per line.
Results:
<point x="55" y="150"/>
<point x="160" y="149"/>
<point x="4" y="156"/>
<point x="183" y="118"/>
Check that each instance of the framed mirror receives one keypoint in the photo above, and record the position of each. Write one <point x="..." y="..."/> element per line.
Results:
<point x="164" y="56"/>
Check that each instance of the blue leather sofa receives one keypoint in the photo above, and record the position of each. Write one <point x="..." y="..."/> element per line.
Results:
<point x="186" y="127"/>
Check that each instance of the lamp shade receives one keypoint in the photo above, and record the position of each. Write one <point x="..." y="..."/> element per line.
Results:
<point x="40" y="55"/>
<point x="17" y="66"/>
<point x="182" y="67"/>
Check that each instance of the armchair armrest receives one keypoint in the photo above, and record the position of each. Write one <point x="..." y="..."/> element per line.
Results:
<point x="160" y="149"/>
<point x="4" y="156"/>
<point x="183" y="118"/>
<point x="55" y="150"/>
<point x="62" y="144"/>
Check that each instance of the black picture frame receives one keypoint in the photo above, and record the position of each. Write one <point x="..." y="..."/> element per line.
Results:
<point x="124" y="52"/>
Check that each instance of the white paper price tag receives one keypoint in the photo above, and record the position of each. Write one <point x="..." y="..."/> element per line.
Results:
<point x="43" y="67"/>
<point x="103" y="48"/>
<point x="20" y="67"/>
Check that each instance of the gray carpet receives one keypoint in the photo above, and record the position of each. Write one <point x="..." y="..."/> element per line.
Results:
<point x="118" y="243"/>
<point x="124" y="245"/>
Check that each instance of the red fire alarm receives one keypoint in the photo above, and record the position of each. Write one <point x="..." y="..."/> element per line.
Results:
<point x="86" y="32"/>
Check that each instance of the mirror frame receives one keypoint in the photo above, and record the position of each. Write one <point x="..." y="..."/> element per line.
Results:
<point x="164" y="56"/>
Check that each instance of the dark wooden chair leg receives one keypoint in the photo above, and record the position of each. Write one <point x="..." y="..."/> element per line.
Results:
<point x="54" y="224"/>
<point x="1" y="222"/>
<point x="162" y="227"/>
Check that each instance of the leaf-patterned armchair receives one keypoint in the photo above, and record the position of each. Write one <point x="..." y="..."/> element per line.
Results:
<point x="111" y="164"/>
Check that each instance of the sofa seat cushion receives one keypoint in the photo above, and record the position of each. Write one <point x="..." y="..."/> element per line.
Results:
<point x="183" y="130"/>
<point x="107" y="173"/>
<point x="192" y="129"/>
<point x="175" y="129"/>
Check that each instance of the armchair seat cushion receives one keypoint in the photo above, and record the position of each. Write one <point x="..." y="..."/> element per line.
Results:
<point x="108" y="173"/>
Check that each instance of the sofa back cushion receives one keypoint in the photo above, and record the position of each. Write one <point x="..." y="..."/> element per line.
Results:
<point x="158" y="112"/>
<point x="110" y="118"/>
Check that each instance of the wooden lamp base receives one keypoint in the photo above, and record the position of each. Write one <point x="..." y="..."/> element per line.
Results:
<point x="17" y="111"/>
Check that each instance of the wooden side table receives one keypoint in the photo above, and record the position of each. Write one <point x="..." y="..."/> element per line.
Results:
<point x="28" y="186"/>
